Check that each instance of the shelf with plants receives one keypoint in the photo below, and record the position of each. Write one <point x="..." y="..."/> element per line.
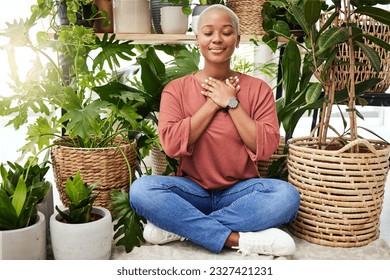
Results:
<point x="173" y="38"/>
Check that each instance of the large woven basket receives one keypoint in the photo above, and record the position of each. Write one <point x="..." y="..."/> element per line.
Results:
<point x="363" y="69"/>
<point x="249" y="13"/>
<point x="108" y="166"/>
<point x="263" y="165"/>
<point x="341" y="192"/>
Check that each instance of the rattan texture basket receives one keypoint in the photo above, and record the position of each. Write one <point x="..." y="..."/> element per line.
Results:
<point x="341" y="192"/>
<point x="107" y="166"/>
<point x="159" y="161"/>
<point x="363" y="69"/>
<point x="249" y="13"/>
<point x="262" y="165"/>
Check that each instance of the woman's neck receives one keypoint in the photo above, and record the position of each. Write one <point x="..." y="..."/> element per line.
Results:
<point x="216" y="73"/>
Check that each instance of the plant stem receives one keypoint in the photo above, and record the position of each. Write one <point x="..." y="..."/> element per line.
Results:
<point x="351" y="82"/>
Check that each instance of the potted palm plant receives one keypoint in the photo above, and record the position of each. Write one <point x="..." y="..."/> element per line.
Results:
<point x="82" y="230"/>
<point x="340" y="177"/>
<point x="22" y="226"/>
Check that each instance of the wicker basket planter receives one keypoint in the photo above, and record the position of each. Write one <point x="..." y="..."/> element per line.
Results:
<point x="249" y="13"/>
<point x="341" y="192"/>
<point x="108" y="166"/>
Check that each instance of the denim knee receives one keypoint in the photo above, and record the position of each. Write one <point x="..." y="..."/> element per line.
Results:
<point x="139" y="191"/>
<point x="290" y="195"/>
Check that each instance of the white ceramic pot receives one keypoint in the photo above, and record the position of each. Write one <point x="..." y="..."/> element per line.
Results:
<point x="27" y="243"/>
<point x="132" y="16"/>
<point x="87" y="241"/>
<point x="195" y="16"/>
<point x="173" y="20"/>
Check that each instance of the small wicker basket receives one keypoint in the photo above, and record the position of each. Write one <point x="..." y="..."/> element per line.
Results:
<point x="249" y="13"/>
<point x="262" y="165"/>
<point x="107" y="166"/>
<point x="341" y="192"/>
<point x="159" y="161"/>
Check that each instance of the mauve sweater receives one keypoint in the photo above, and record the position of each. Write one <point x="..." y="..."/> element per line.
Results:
<point x="219" y="158"/>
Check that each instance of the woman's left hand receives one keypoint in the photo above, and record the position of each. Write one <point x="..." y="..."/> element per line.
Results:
<point x="220" y="92"/>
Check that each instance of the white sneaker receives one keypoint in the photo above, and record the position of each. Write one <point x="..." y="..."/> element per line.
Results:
<point x="156" y="235"/>
<point x="272" y="241"/>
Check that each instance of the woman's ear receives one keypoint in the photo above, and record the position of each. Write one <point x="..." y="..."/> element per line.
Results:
<point x="238" y="41"/>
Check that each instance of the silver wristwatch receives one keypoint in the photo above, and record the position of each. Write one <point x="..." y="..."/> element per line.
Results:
<point x="232" y="104"/>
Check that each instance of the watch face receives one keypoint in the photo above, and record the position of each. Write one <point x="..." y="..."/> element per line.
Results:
<point x="233" y="103"/>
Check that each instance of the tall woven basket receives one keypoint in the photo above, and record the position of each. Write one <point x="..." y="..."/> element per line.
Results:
<point x="108" y="166"/>
<point x="341" y="191"/>
<point x="249" y="13"/>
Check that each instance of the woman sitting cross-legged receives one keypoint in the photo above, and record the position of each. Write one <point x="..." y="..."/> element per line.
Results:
<point x="219" y="123"/>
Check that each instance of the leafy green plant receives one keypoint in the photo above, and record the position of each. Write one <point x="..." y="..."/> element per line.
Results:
<point x="129" y="225"/>
<point x="211" y="2"/>
<point x="59" y="89"/>
<point x="308" y="73"/>
<point x="21" y="188"/>
<point x="81" y="201"/>
<point x="186" y="5"/>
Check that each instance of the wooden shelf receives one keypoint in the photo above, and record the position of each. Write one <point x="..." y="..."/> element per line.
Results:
<point x="170" y="38"/>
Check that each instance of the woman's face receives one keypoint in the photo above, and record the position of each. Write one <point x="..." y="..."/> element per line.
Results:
<point x="216" y="37"/>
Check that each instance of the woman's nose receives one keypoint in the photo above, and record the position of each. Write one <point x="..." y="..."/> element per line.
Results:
<point x="217" y="37"/>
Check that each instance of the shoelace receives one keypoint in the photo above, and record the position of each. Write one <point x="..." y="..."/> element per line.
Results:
<point x="172" y="236"/>
<point x="253" y="246"/>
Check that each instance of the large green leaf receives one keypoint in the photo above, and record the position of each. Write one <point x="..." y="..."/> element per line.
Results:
<point x="8" y="216"/>
<point x="331" y="38"/>
<point x="313" y="92"/>
<point x="291" y="67"/>
<point x="378" y="41"/>
<point x="128" y="227"/>
<point x="312" y="11"/>
<point x="372" y="56"/>
<point x="20" y="196"/>
<point x="299" y="14"/>
<point x="111" y="50"/>
<point x="379" y="14"/>
<point x="85" y="122"/>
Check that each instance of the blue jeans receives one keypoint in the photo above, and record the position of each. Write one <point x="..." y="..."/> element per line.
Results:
<point x="181" y="206"/>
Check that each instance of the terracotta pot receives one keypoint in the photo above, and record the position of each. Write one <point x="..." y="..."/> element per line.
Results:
<point x="105" y="5"/>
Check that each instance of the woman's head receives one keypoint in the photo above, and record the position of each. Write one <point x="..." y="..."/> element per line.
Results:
<point x="217" y="34"/>
<point x="218" y="7"/>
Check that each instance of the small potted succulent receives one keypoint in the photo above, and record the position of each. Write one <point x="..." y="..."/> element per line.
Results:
<point x="22" y="226"/>
<point x="82" y="230"/>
